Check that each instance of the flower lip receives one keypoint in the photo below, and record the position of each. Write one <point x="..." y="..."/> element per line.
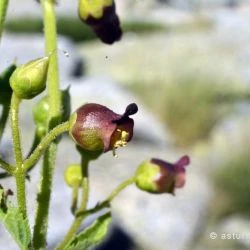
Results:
<point x="176" y="167"/>
<point x="131" y="109"/>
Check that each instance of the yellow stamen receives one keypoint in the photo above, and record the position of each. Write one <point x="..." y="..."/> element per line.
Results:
<point x="121" y="142"/>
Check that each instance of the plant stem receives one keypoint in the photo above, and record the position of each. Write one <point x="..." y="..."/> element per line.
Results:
<point x="78" y="220"/>
<point x="43" y="200"/>
<point x="3" y="11"/>
<point x="19" y="172"/>
<point x="6" y="166"/>
<point x="21" y="191"/>
<point x="44" y="144"/>
<point x="53" y="71"/>
<point x="120" y="187"/>
<point x="4" y="119"/>
<point x="14" y="110"/>
<point x="74" y="199"/>
<point x="106" y="202"/>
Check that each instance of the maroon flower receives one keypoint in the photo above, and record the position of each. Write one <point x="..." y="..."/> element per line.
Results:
<point x="102" y="18"/>
<point x="158" y="176"/>
<point x="94" y="127"/>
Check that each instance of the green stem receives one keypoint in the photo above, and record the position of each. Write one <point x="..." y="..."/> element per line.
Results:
<point x="120" y="187"/>
<point x="78" y="220"/>
<point x="43" y="200"/>
<point x="106" y="202"/>
<point x="6" y="166"/>
<point x="19" y="172"/>
<point x="51" y="51"/>
<point x="74" y="199"/>
<point x="4" y="119"/>
<point x="21" y="191"/>
<point x="14" y="110"/>
<point x="3" y="11"/>
<point x="44" y="144"/>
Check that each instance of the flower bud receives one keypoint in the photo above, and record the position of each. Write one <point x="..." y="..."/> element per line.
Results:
<point x="29" y="80"/>
<point x="73" y="175"/>
<point x="94" y="127"/>
<point x="41" y="109"/>
<point x="101" y="16"/>
<point x="158" y="176"/>
<point x="41" y="112"/>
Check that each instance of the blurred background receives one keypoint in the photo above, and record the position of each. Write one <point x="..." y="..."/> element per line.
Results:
<point x="186" y="63"/>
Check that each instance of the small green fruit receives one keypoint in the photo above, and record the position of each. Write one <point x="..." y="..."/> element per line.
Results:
<point x="73" y="175"/>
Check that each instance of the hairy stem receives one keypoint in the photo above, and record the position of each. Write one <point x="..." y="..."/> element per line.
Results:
<point x="43" y="199"/>
<point x="78" y="220"/>
<point x="106" y="202"/>
<point x="6" y="166"/>
<point x="19" y="172"/>
<point x="14" y="110"/>
<point x="44" y="144"/>
<point x="3" y="11"/>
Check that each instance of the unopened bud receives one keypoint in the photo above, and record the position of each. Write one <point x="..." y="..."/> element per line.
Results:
<point x="29" y="80"/>
<point x="73" y="175"/>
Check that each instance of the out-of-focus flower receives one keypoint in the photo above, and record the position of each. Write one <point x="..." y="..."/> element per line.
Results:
<point x="101" y="16"/>
<point x="158" y="176"/>
<point x="94" y="127"/>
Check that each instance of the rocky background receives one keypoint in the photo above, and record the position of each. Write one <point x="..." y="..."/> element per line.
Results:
<point x="191" y="82"/>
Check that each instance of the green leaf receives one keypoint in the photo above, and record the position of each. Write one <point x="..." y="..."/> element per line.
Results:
<point x="16" y="225"/>
<point x="92" y="235"/>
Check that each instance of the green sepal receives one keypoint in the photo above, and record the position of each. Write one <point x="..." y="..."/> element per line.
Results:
<point x="14" y="222"/>
<point x="89" y="155"/>
<point x="5" y="89"/>
<point x="66" y="104"/>
<point x="146" y="175"/>
<point x="92" y="235"/>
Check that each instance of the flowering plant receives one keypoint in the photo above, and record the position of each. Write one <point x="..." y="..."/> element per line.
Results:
<point x="93" y="127"/>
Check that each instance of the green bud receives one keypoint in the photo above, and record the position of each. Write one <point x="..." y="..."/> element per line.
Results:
<point x="41" y="109"/>
<point x="41" y="112"/>
<point x="73" y="175"/>
<point x="145" y="173"/>
<point x="29" y="79"/>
